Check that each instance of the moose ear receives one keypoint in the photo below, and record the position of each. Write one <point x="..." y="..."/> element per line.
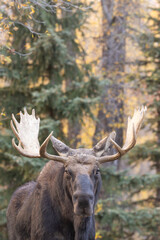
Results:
<point x="104" y="144"/>
<point x="61" y="148"/>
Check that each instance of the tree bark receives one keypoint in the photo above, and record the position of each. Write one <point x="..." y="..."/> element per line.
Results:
<point x="74" y="128"/>
<point x="110" y="114"/>
<point x="157" y="164"/>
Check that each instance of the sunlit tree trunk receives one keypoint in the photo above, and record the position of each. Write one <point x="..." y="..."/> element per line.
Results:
<point x="110" y="115"/>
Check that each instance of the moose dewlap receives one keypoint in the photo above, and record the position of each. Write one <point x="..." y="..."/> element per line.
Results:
<point x="60" y="204"/>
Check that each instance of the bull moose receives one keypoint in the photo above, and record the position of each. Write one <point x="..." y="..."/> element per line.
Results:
<point x="60" y="204"/>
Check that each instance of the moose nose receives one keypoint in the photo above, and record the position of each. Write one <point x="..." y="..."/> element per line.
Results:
<point x="82" y="198"/>
<point x="83" y="203"/>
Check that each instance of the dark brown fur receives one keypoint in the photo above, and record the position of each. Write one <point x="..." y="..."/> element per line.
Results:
<point x="49" y="208"/>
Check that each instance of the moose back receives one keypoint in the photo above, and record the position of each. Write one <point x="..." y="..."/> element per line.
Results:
<point x="60" y="204"/>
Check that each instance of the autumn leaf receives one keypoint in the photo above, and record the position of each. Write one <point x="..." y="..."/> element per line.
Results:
<point x="15" y="28"/>
<point x="48" y="33"/>
<point x="32" y="10"/>
<point x="8" y="59"/>
<point x="27" y="46"/>
<point x="98" y="236"/>
<point x="99" y="208"/>
<point x="11" y="4"/>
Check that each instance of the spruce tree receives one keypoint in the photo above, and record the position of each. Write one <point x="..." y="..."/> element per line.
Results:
<point x="122" y="213"/>
<point x="150" y="45"/>
<point x="37" y="64"/>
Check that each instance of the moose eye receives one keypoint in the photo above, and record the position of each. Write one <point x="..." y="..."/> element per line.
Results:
<point x="97" y="171"/>
<point x="68" y="173"/>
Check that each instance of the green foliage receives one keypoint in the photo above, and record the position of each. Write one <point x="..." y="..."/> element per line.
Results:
<point x="125" y="212"/>
<point x="150" y="45"/>
<point x="121" y="214"/>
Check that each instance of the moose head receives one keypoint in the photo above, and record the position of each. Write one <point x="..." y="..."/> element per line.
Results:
<point x="81" y="166"/>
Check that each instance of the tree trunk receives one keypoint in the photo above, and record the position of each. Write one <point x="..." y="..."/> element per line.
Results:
<point x="157" y="164"/>
<point x="110" y="115"/>
<point x="74" y="128"/>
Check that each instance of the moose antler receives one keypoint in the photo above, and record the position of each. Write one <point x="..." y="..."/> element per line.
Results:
<point x="27" y="134"/>
<point x="133" y="127"/>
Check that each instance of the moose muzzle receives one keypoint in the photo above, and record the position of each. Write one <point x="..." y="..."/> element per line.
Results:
<point x="83" y="197"/>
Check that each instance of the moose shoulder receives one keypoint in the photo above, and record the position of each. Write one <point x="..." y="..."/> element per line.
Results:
<point x="60" y="204"/>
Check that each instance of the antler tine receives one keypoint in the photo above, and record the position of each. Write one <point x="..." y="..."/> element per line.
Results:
<point x="133" y="127"/>
<point x="43" y="151"/>
<point x="139" y="115"/>
<point x="13" y="129"/>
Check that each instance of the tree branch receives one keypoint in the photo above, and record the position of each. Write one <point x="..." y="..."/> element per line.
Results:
<point x="108" y="12"/>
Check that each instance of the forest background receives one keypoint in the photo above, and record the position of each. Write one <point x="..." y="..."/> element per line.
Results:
<point x="84" y="66"/>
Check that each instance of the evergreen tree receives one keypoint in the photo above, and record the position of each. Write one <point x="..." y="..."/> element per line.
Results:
<point x="122" y="213"/>
<point x="150" y="45"/>
<point x="37" y="64"/>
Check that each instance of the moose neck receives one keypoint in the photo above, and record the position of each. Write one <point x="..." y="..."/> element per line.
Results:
<point x="84" y="228"/>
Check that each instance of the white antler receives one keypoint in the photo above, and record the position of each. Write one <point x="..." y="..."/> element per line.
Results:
<point x="133" y="127"/>
<point x="27" y="134"/>
<point x="27" y="131"/>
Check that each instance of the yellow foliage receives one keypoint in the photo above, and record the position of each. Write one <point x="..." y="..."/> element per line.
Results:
<point x="65" y="127"/>
<point x="24" y="5"/>
<point x="63" y="85"/>
<point x="48" y="33"/>
<point x="15" y="28"/>
<point x="11" y="4"/>
<point x="8" y="59"/>
<point x="98" y="208"/>
<point x="87" y="132"/>
<point x="108" y="115"/>
<point x="27" y="46"/>
<point x="98" y="235"/>
<point x="32" y="10"/>
<point x="5" y="59"/>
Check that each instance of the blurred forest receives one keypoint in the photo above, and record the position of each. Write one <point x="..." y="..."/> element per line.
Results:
<point x="84" y="66"/>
